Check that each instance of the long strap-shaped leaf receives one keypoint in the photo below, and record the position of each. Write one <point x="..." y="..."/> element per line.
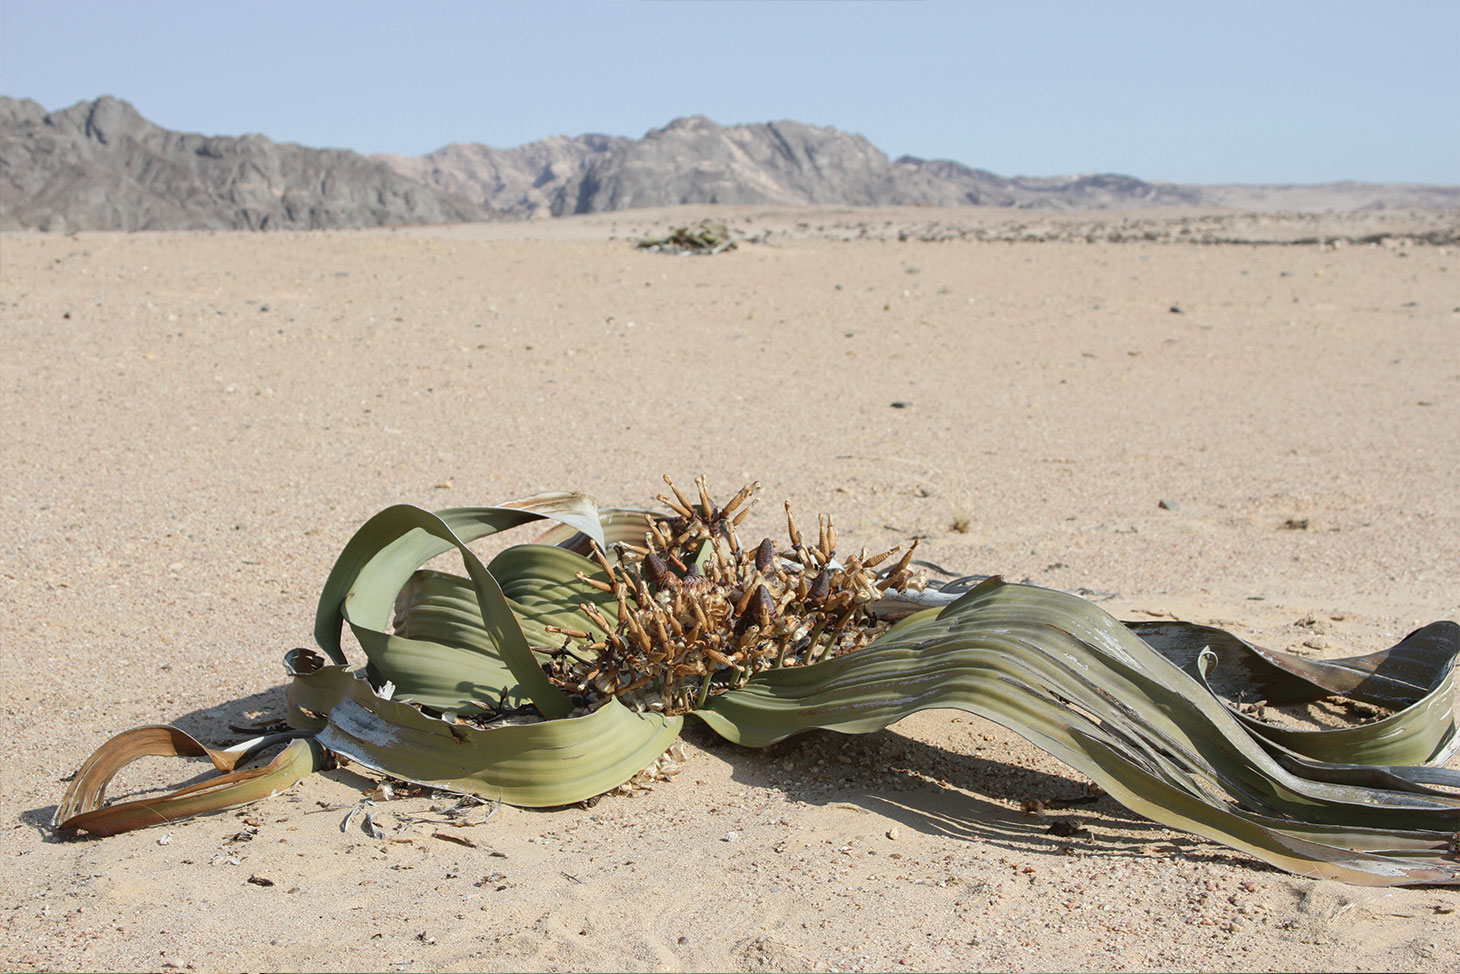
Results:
<point x="438" y="616"/>
<point x="380" y="558"/>
<point x="1071" y="679"/>
<point x="540" y="764"/>
<point x="1396" y="677"/>
<point x="82" y="805"/>
<point x="1416" y="678"/>
<point x="616" y="524"/>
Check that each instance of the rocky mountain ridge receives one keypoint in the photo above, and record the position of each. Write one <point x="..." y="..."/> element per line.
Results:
<point x="520" y="181"/>
<point x="101" y="165"/>
<point x="695" y="160"/>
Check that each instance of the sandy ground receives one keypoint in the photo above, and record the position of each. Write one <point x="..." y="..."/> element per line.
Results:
<point x="194" y="424"/>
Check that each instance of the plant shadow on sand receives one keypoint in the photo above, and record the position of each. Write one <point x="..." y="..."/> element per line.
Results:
<point x="940" y="791"/>
<point x="923" y="787"/>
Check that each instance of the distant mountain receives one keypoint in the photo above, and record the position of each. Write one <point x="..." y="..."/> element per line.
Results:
<point x="1346" y="195"/>
<point x="949" y="183"/>
<point x="695" y="160"/>
<point x="100" y="165"/>
<point x="521" y="181"/>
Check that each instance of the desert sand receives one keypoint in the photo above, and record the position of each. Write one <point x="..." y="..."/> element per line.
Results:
<point x="195" y="424"/>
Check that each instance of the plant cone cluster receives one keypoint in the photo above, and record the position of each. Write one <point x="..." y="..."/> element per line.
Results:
<point x="700" y="613"/>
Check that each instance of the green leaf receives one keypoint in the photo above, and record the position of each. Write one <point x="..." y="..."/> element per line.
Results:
<point x="447" y="652"/>
<point x="542" y="587"/>
<point x="438" y="619"/>
<point x="550" y="762"/>
<point x="1073" y="680"/>
<point x="380" y="559"/>
<point x="616" y="524"/>
<point x="1417" y="677"/>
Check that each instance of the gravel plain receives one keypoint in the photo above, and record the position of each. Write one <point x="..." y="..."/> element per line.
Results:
<point x="195" y="423"/>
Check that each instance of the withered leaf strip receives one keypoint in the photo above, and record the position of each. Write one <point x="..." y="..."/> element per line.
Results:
<point x="82" y="806"/>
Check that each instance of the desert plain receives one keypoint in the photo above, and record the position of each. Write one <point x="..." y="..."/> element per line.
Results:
<point x="1249" y="421"/>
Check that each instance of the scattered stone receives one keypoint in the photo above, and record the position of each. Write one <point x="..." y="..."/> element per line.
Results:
<point x="258" y="880"/>
<point x="894" y="834"/>
<point x="1065" y="828"/>
<point x="1295" y="524"/>
<point x="901" y="405"/>
<point x="458" y="839"/>
<point x="1176" y="309"/>
<point x="1168" y="505"/>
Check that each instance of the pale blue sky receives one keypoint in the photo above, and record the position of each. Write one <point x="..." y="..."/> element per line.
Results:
<point x="1231" y="91"/>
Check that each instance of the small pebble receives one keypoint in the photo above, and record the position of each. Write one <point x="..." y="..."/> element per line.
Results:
<point x="1167" y="505"/>
<point x="894" y="834"/>
<point x="730" y="836"/>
